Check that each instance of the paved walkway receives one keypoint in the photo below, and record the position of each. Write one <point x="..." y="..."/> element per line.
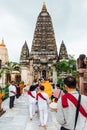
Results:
<point x="18" y="118"/>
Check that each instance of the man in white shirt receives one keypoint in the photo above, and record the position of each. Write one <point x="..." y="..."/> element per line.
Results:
<point x="12" y="93"/>
<point x="67" y="107"/>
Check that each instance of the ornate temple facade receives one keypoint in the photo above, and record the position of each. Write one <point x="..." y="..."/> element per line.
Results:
<point x="39" y="63"/>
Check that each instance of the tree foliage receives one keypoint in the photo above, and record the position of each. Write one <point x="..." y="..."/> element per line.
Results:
<point x="66" y="66"/>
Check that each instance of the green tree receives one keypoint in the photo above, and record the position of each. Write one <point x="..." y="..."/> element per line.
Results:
<point x="61" y="67"/>
<point x="72" y="64"/>
<point x="66" y="66"/>
<point x="9" y="67"/>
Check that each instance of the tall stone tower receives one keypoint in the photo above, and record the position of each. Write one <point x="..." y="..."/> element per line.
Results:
<point x="39" y="63"/>
<point x="63" y="52"/>
<point x="44" y="49"/>
<point x="24" y="58"/>
<point x="24" y="63"/>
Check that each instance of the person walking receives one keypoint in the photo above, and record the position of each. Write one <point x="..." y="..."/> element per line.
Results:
<point x="47" y="87"/>
<point x="18" y="90"/>
<point x="72" y="107"/>
<point x="57" y="93"/>
<point x="43" y="101"/>
<point x="12" y="94"/>
<point x="32" y="101"/>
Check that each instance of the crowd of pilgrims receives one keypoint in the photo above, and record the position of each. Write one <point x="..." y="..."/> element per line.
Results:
<point x="40" y="95"/>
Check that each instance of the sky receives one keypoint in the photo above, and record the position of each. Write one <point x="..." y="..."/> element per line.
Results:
<point x="18" y="21"/>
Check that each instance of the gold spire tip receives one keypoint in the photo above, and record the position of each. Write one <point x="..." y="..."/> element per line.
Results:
<point x="44" y="6"/>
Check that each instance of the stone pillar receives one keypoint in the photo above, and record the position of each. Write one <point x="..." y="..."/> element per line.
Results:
<point x="25" y="75"/>
<point x="12" y="77"/>
<point x="81" y="68"/>
<point x="81" y="75"/>
<point x="31" y="72"/>
<point x="85" y="88"/>
<point x="85" y="78"/>
<point x="2" y="80"/>
<point x="54" y="76"/>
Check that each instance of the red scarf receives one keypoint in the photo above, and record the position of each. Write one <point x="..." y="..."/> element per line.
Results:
<point x="41" y="96"/>
<point x="29" y="93"/>
<point x="74" y="101"/>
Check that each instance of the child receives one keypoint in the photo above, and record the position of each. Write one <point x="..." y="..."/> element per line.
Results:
<point x="32" y="100"/>
<point x="43" y="100"/>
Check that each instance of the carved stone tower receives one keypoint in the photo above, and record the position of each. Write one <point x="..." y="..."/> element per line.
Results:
<point x="63" y="52"/>
<point x="24" y="58"/>
<point x="44" y="49"/>
<point x="24" y="63"/>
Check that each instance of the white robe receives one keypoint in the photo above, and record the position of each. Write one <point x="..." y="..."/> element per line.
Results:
<point x="32" y="104"/>
<point x="43" y="108"/>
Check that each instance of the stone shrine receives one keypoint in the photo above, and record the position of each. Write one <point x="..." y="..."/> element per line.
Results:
<point x="39" y="63"/>
<point x="63" y="52"/>
<point x="3" y="52"/>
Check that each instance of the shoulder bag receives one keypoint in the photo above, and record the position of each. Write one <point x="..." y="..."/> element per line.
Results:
<point x="76" y="116"/>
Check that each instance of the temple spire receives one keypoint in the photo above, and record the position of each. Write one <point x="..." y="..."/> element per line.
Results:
<point x="2" y="43"/>
<point x="63" y="52"/>
<point x="44" y="7"/>
<point x="44" y="38"/>
<point x="24" y="57"/>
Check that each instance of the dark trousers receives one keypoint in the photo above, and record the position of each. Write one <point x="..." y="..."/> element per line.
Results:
<point x="11" y="103"/>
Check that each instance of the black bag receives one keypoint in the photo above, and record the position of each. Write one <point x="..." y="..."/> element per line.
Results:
<point x="62" y="128"/>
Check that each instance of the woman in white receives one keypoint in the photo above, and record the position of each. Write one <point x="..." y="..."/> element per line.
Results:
<point x="43" y="101"/>
<point x="32" y="101"/>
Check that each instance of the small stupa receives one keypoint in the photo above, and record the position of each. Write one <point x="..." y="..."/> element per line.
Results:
<point x="3" y="52"/>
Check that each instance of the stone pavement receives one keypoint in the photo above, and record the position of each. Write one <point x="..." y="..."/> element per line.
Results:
<point x="18" y="117"/>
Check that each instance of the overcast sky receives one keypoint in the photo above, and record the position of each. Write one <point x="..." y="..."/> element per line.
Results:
<point x="18" y="20"/>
